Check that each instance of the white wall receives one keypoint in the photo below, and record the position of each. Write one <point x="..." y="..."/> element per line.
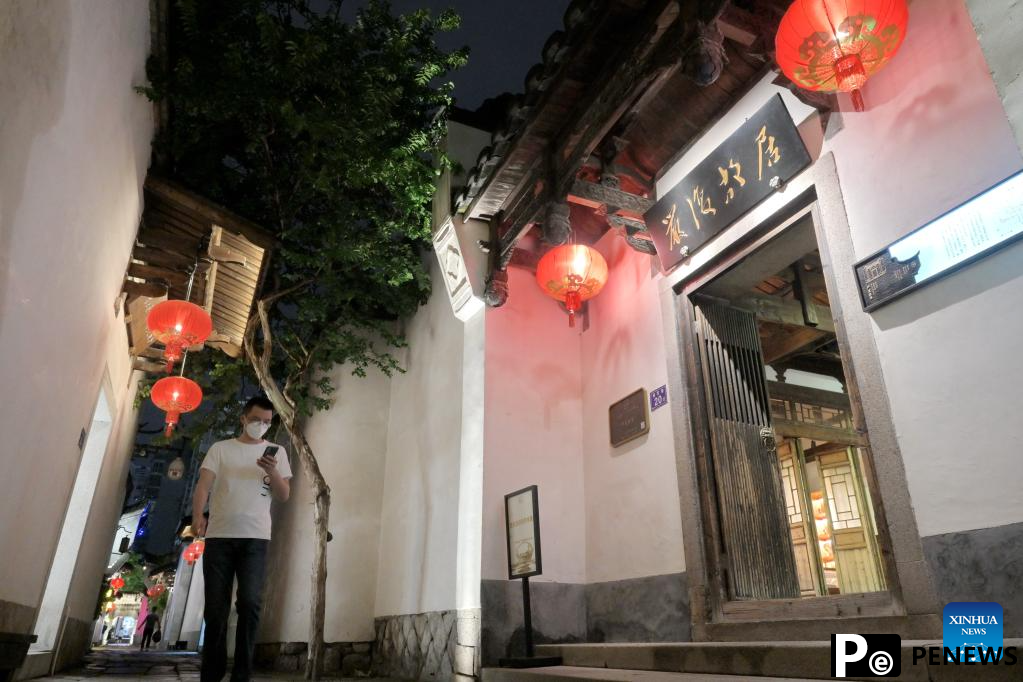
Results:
<point x="934" y="134"/>
<point x="534" y="428"/>
<point x="75" y="141"/>
<point x="419" y="531"/>
<point x="623" y="350"/>
<point x="349" y="440"/>
<point x="999" y="25"/>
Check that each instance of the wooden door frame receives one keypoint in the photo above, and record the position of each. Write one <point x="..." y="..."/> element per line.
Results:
<point x="911" y="596"/>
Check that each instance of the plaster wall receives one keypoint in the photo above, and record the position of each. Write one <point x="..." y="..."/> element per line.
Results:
<point x="998" y="27"/>
<point x="75" y="140"/>
<point x="534" y="429"/>
<point x="934" y="134"/>
<point x="623" y="350"/>
<point x="420" y="512"/>
<point x="349" y="440"/>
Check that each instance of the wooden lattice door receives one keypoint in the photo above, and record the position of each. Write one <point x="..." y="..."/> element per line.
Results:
<point x="751" y="505"/>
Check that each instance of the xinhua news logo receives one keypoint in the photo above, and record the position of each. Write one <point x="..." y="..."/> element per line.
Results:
<point x="866" y="655"/>
<point x="975" y="628"/>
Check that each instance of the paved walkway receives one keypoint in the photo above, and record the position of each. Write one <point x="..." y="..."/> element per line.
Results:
<point x="128" y="664"/>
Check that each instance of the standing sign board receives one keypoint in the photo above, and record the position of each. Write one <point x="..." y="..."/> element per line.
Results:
<point x="745" y="169"/>
<point x="522" y="516"/>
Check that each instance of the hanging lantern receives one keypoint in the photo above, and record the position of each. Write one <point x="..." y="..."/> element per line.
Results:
<point x="175" y="396"/>
<point x="572" y="273"/>
<point x="178" y="325"/>
<point x="195" y="550"/>
<point x="155" y="591"/>
<point x="836" y="45"/>
<point x="117" y="582"/>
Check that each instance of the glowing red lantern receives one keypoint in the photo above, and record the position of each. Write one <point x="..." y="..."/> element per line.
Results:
<point x="195" y="551"/>
<point x="155" y="591"/>
<point x="836" y="45"/>
<point x="117" y="582"/>
<point x="178" y="325"/>
<point x="175" y="396"/>
<point x="572" y="273"/>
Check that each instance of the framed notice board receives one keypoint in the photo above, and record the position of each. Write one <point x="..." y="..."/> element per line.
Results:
<point x="629" y="418"/>
<point x="522" y="521"/>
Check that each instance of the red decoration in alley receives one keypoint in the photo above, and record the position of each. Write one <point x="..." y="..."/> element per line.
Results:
<point x="117" y="582"/>
<point x="194" y="551"/>
<point x="155" y="591"/>
<point x="178" y="325"/>
<point x="836" y="45"/>
<point x="572" y="273"/>
<point x="175" y="396"/>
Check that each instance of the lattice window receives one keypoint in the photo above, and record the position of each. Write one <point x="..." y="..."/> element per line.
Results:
<point x="791" y="490"/>
<point x="845" y="508"/>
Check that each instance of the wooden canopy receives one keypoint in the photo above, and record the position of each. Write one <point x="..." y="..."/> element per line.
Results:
<point x="181" y="232"/>
<point x="622" y="89"/>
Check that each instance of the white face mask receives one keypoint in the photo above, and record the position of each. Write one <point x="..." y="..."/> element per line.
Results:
<point x="255" y="430"/>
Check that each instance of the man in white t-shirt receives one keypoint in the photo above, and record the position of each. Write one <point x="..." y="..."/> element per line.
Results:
<point x="243" y="474"/>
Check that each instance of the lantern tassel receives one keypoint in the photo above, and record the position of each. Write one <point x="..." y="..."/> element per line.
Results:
<point x="571" y="318"/>
<point x="857" y="99"/>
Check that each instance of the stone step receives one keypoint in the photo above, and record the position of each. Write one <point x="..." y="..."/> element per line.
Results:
<point x="573" y="674"/>
<point x="800" y="660"/>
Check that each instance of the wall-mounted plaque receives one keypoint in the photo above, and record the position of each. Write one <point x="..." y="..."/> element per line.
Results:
<point x="522" y="519"/>
<point x="658" y="397"/>
<point x="745" y="169"/>
<point x="628" y="418"/>
<point x="974" y="229"/>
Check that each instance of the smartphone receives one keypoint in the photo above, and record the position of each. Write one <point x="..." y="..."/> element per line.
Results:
<point x="271" y="452"/>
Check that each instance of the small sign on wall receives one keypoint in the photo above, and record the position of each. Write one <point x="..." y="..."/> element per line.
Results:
<point x="522" y="518"/>
<point x="628" y="418"/>
<point x="658" y="398"/>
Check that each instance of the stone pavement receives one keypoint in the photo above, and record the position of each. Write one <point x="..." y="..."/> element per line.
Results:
<point x="128" y="664"/>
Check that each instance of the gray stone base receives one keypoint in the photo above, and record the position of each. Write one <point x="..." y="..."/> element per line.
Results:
<point x="437" y="645"/>
<point x="981" y="565"/>
<point x="350" y="659"/>
<point x="651" y="609"/>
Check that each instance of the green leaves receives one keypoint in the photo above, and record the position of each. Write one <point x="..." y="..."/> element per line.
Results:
<point x="323" y="132"/>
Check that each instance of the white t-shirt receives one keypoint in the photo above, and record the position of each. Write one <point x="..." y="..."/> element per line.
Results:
<point x="240" y="500"/>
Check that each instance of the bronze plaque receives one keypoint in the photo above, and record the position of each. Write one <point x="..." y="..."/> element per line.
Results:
<point x="629" y="418"/>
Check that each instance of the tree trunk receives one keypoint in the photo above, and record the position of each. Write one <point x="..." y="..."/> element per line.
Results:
<point x="321" y="491"/>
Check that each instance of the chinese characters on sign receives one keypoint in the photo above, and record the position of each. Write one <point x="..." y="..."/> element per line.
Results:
<point x="658" y="398"/>
<point x="743" y="171"/>
<point x="973" y="230"/>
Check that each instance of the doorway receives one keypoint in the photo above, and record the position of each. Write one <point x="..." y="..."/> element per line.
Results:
<point x="785" y="472"/>
<point x="58" y="584"/>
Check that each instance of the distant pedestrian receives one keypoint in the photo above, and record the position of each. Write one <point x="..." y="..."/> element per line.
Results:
<point x="150" y="625"/>
<point x="239" y="476"/>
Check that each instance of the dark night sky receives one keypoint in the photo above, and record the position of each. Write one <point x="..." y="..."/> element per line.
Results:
<point x="505" y="38"/>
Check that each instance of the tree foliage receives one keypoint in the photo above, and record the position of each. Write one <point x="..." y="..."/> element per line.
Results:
<point x="323" y="131"/>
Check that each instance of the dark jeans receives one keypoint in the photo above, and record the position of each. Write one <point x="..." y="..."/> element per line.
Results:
<point x="147" y="638"/>
<point x="223" y="561"/>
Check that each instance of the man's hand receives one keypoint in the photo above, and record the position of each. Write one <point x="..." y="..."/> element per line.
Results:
<point x="267" y="464"/>
<point x="199" y="527"/>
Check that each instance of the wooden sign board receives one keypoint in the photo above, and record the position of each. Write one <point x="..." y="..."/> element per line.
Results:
<point x="629" y="418"/>
<point x="522" y="521"/>
<point x="969" y="232"/>
<point x="745" y="169"/>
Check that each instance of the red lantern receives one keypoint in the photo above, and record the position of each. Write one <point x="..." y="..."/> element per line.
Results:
<point x="572" y="273"/>
<point x="117" y="582"/>
<point x="836" y="45"/>
<point x="178" y="325"/>
<point x="155" y="591"/>
<point x="176" y="395"/>
<point x="194" y="551"/>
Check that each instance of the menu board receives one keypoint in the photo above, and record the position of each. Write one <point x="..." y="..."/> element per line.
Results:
<point x="967" y="233"/>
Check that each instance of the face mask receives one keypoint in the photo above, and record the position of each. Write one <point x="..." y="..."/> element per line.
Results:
<point x="255" y="430"/>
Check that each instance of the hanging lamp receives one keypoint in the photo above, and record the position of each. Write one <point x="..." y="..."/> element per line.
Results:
<point x="572" y="273"/>
<point x="175" y="396"/>
<point x="178" y="325"/>
<point x="837" y="45"/>
<point x="117" y="582"/>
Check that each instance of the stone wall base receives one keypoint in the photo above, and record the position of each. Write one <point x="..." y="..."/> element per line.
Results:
<point x="348" y="659"/>
<point x="437" y="645"/>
